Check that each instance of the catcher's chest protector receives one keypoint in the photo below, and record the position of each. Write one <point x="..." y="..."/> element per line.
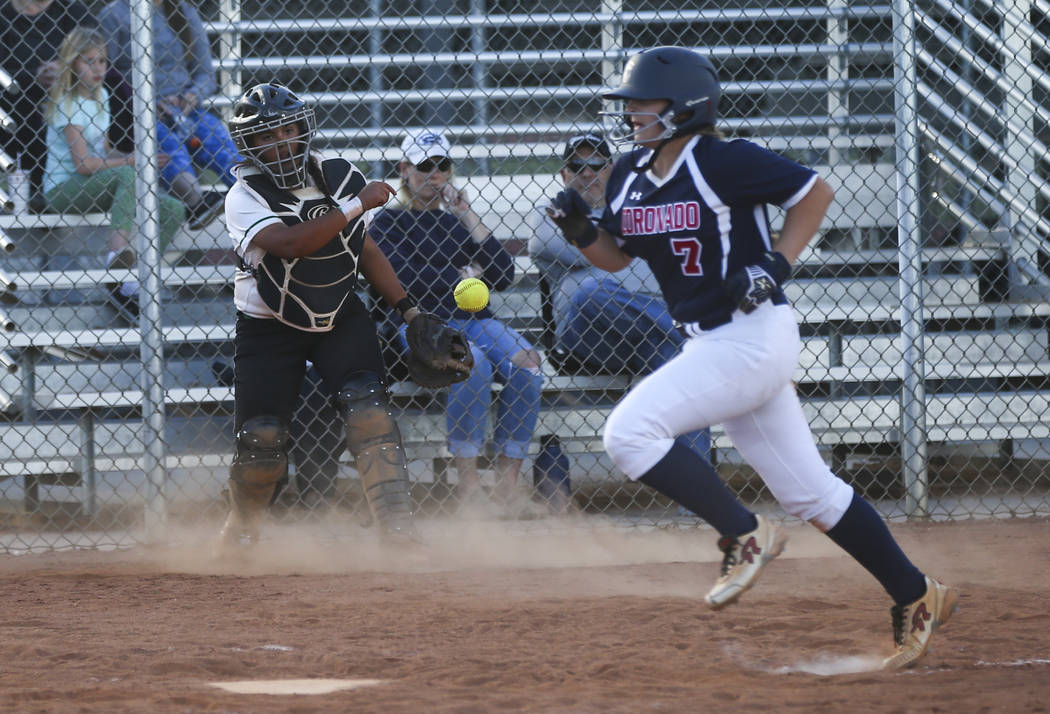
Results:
<point x="309" y="292"/>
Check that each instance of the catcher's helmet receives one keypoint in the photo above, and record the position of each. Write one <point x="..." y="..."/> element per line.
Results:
<point x="265" y="107"/>
<point x="683" y="77"/>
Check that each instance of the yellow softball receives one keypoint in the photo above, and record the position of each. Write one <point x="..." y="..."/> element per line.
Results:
<point x="471" y="294"/>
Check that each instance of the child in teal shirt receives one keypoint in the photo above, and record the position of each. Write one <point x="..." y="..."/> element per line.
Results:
<point x="83" y="175"/>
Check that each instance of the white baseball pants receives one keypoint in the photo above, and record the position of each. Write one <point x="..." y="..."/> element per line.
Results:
<point x="737" y="375"/>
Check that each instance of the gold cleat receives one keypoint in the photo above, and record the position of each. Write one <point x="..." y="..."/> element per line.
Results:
<point x="915" y="623"/>
<point x="744" y="559"/>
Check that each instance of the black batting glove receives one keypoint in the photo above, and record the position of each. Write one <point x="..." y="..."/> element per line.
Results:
<point x="751" y="286"/>
<point x="573" y="215"/>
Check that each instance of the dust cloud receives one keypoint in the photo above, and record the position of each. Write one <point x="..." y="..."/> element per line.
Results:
<point x="827" y="665"/>
<point x="580" y="545"/>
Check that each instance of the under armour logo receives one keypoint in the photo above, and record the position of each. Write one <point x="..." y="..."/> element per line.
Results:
<point x="635" y="195"/>
<point x="749" y="550"/>
<point x="919" y="618"/>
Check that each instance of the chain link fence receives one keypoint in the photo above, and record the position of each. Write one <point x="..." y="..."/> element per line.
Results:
<point x="923" y="302"/>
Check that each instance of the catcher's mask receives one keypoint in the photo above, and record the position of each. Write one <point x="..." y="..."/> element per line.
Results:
<point x="264" y="108"/>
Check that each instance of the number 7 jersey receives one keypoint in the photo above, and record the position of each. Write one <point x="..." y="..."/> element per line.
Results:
<point x="704" y="220"/>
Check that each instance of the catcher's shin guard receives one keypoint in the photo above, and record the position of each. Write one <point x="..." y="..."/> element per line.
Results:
<point x="374" y="440"/>
<point x="261" y="460"/>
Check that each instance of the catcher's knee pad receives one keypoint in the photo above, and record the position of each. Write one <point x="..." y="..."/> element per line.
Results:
<point x="374" y="440"/>
<point x="262" y="451"/>
<point x="366" y="409"/>
<point x="261" y="460"/>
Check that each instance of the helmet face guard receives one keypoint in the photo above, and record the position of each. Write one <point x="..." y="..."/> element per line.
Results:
<point x="264" y="108"/>
<point x="290" y="157"/>
<point x="620" y="129"/>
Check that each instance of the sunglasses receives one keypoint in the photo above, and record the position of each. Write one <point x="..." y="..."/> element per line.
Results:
<point x="443" y="165"/>
<point x="592" y="164"/>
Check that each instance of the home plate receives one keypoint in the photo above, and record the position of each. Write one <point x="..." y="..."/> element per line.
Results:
<point x="294" y="686"/>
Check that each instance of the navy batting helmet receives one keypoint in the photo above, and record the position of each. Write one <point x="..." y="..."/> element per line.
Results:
<point x="266" y="107"/>
<point x="683" y="77"/>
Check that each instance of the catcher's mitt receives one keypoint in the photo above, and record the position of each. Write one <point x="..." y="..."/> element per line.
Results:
<point x="437" y="355"/>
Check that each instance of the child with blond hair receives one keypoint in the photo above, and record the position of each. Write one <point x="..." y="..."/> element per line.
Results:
<point x="83" y="174"/>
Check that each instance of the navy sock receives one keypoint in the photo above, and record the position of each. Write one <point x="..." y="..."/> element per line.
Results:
<point x="863" y="534"/>
<point x="690" y="480"/>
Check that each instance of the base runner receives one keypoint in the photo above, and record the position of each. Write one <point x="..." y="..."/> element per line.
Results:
<point x="693" y="206"/>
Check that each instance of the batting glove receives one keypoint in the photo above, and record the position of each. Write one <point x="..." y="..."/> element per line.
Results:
<point x="751" y="286"/>
<point x="573" y="216"/>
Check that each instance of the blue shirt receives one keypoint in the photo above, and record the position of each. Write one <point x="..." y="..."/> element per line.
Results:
<point x="427" y="250"/>
<point x="704" y="220"/>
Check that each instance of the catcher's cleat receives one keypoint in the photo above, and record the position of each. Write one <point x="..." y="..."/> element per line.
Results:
<point x="400" y="534"/>
<point x="915" y="623"/>
<point x="743" y="559"/>
<point x="234" y="536"/>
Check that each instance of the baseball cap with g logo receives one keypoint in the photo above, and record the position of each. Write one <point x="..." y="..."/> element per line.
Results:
<point x="425" y="144"/>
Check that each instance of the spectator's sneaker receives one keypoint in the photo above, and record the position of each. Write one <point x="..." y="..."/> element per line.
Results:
<point x="743" y="559"/>
<point x="915" y="623"/>
<point x="224" y="373"/>
<point x="517" y="505"/>
<point x="127" y="306"/>
<point x="557" y="502"/>
<point x="212" y="204"/>
<point x="124" y="259"/>
<point x="473" y="501"/>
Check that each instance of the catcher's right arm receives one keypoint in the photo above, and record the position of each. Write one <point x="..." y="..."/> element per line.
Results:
<point x="437" y="354"/>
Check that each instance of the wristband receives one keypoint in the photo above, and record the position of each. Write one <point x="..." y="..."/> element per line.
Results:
<point x="404" y="306"/>
<point x="352" y="208"/>
<point x="589" y="235"/>
<point x="780" y="268"/>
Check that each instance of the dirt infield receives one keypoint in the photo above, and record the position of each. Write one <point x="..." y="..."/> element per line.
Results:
<point x="486" y="622"/>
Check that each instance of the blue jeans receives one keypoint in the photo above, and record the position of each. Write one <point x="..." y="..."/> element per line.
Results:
<point x="609" y="325"/>
<point x="216" y="150"/>
<point x="517" y="404"/>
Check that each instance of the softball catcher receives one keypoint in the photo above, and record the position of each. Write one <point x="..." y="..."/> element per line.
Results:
<point x="298" y="223"/>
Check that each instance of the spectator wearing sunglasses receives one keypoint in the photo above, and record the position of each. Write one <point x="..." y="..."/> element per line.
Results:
<point x="604" y="323"/>
<point x="434" y="240"/>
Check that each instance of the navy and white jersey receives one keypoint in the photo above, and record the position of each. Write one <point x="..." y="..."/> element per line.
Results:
<point x="704" y="220"/>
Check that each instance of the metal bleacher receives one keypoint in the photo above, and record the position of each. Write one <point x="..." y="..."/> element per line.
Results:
<point x="75" y="399"/>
